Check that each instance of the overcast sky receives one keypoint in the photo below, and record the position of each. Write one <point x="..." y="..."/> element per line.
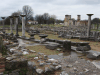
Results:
<point x="54" y="7"/>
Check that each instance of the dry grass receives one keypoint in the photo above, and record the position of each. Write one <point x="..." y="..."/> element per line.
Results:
<point x="20" y="33"/>
<point x="94" y="45"/>
<point x="42" y="49"/>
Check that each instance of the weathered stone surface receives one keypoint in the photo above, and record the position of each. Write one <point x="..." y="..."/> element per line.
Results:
<point x="17" y="53"/>
<point x="36" y="58"/>
<point x="47" y="69"/>
<point x="31" y="64"/>
<point x="52" y="60"/>
<point x="25" y="52"/>
<point x="83" y="48"/>
<point x="93" y="54"/>
<point x="58" y="67"/>
<point x="58" y="49"/>
<point x="63" y="73"/>
<point x="52" y="68"/>
<point x="67" y="45"/>
<point x="33" y="51"/>
<point x="39" y="71"/>
<point x="9" y="58"/>
<point x="16" y="64"/>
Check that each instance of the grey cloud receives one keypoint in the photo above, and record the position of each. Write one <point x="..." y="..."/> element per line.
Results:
<point x="88" y="2"/>
<point x="57" y="7"/>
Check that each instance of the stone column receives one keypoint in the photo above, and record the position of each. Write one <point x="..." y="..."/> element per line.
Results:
<point x="67" y="45"/>
<point x="89" y="24"/>
<point x="11" y="17"/>
<point x="3" y="23"/>
<point x="23" y="26"/>
<point x="78" y="17"/>
<point x="97" y="25"/>
<point x="66" y="20"/>
<point x="14" y="23"/>
<point x="69" y="16"/>
<point x="16" y="18"/>
<point x="93" y="26"/>
<point x="1" y="43"/>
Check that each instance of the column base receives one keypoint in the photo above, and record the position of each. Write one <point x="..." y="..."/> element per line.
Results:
<point x="17" y="35"/>
<point x="23" y="37"/>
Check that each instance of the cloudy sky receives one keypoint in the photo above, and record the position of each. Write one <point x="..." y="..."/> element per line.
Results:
<point x="54" y="7"/>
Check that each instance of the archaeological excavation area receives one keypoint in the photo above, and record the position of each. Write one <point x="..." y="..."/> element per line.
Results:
<point x="44" y="50"/>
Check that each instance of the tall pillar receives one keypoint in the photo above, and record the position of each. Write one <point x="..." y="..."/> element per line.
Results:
<point x="69" y="16"/>
<point x="23" y="26"/>
<point x="97" y="25"/>
<point x="14" y="23"/>
<point x="3" y="23"/>
<point x="93" y="26"/>
<point x="16" y="18"/>
<point x="78" y="17"/>
<point x="66" y="20"/>
<point x="11" y="17"/>
<point x="66" y="16"/>
<point x="89" y="24"/>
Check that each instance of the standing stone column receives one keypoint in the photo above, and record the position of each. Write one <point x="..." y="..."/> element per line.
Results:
<point x="93" y="26"/>
<point x="23" y="26"/>
<point x="1" y="43"/>
<point x="97" y="25"/>
<point x="11" y="24"/>
<point x="16" y="17"/>
<point x="78" y="17"/>
<point x="14" y="23"/>
<point x="89" y="24"/>
<point x="3" y="23"/>
<point x="67" y="45"/>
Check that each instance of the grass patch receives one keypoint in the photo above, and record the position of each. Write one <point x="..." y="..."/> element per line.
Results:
<point x="20" y="33"/>
<point x="94" y="45"/>
<point x="50" y="25"/>
<point x="42" y="49"/>
<point x="30" y="55"/>
<point x="95" y="30"/>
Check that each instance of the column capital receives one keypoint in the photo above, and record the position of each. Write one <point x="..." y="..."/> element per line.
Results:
<point x="3" y="17"/>
<point x="90" y="14"/>
<point x="11" y="16"/>
<point x="22" y="15"/>
<point x="16" y="16"/>
<point x="66" y="15"/>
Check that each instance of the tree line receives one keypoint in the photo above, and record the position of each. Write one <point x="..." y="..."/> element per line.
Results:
<point x="28" y="11"/>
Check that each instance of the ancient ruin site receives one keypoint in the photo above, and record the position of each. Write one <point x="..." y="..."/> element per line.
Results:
<point x="42" y="44"/>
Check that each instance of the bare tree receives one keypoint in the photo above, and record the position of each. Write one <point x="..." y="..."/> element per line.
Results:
<point x="28" y="11"/>
<point x="39" y="18"/>
<point x="46" y="17"/>
<point x="53" y="18"/>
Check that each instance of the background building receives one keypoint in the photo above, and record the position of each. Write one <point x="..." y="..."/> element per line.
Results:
<point x="71" y="21"/>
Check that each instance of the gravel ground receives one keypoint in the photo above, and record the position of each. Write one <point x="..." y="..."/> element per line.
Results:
<point x="73" y="65"/>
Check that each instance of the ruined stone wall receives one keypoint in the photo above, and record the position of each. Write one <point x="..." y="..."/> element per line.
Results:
<point x="68" y="21"/>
